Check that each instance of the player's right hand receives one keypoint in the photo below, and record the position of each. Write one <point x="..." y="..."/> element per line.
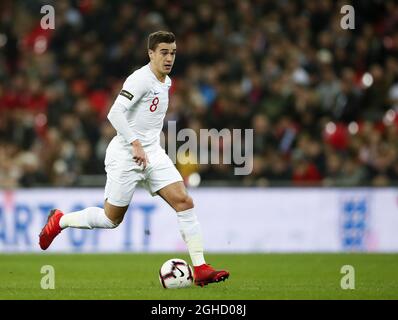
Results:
<point x="139" y="155"/>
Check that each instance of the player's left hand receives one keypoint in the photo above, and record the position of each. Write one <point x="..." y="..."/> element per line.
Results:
<point x="139" y="155"/>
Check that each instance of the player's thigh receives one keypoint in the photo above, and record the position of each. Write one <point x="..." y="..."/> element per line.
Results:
<point x="120" y="186"/>
<point x="161" y="173"/>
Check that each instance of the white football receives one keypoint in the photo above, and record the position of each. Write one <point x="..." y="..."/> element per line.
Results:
<point x="175" y="273"/>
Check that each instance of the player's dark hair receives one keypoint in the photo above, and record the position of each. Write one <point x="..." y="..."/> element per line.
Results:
<point x="158" y="37"/>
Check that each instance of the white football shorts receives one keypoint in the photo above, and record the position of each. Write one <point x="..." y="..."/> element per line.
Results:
<point x="123" y="174"/>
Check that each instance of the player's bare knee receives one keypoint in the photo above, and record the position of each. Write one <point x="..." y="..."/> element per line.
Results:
<point x="189" y="203"/>
<point x="114" y="221"/>
<point x="184" y="203"/>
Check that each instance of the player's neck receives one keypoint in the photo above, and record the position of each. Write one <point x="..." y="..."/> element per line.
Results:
<point x="160" y="76"/>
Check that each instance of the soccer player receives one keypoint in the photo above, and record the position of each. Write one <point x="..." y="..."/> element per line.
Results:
<point x="135" y="156"/>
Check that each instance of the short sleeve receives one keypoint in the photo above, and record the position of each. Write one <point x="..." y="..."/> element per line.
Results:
<point x="134" y="88"/>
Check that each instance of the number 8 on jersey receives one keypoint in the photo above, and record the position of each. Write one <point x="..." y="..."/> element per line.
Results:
<point x="154" y="104"/>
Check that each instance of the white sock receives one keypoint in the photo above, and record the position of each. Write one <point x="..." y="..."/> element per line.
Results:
<point x="89" y="218"/>
<point x="192" y="235"/>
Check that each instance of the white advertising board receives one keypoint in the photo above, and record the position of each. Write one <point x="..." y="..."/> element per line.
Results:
<point x="232" y="220"/>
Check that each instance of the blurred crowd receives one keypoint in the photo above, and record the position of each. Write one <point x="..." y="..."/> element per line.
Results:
<point x="322" y="100"/>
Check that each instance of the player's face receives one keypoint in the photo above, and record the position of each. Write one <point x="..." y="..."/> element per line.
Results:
<point x="162" y="58"/>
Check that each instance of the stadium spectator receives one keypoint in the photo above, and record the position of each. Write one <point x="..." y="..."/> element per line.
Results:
<point x="322" y="100"/>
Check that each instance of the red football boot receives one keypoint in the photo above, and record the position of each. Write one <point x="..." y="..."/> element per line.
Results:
<point x="205" y="274"/>
<point x="51" y="229"/>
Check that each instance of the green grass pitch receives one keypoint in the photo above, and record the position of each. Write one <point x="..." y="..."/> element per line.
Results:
<point x="253" y="276"/>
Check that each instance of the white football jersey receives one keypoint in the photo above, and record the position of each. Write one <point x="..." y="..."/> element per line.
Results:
<point x="146" y="100"/>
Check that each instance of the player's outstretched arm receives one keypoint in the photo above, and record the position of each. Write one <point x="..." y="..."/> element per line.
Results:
<point x="117" y="118"/>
